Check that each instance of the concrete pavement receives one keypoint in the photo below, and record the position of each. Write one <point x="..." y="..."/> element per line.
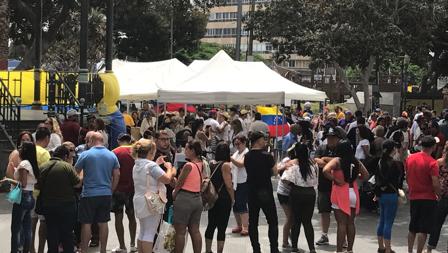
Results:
<point x="365" y="237"/>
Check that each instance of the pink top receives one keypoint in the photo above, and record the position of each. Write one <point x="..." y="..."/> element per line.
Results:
<point x="340" y="194"/>
<point x="193" y="181"/>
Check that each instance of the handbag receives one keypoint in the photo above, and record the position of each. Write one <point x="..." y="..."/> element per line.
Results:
<point x="15" y="195"/>
<point x="155" y="201"/>
<point x="39" y="205"/>
<point x="208" y="191"/>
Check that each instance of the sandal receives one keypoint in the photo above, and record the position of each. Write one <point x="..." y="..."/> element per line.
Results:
<point x="244" y="233"/>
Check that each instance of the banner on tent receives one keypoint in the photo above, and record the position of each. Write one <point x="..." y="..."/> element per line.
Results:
<point x="270" y="116"/>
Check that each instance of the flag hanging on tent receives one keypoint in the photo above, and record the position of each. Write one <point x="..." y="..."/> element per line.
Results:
<point x="274" y="119"/>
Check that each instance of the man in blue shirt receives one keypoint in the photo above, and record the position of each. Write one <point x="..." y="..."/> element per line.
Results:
<point x="101" y="173"/>
<point x="291" y="137"/>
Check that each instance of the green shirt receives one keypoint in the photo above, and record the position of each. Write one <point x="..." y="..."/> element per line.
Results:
<point x="57" y="184"/>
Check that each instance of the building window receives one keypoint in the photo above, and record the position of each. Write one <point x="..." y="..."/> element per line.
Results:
<point x="292" y="63"/>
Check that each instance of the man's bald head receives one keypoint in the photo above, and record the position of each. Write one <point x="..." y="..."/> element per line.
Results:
<point x="96" y="139"/>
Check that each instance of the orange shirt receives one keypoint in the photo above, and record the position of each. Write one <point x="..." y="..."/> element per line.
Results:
<point x="193" y="181"/>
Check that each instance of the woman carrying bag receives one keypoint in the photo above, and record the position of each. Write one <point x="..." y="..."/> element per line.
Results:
<point x="25" y="175"/>
<point x="150" y="192"/>
<point x="218" y="215"/>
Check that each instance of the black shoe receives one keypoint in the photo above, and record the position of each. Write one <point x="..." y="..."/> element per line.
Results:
<point x="93" y="244"/>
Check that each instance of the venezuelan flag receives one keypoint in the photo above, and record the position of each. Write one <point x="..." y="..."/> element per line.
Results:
<point x="270" y="116"/>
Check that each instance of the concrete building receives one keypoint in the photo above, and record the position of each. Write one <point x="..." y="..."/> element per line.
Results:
<point x="221" y="29"/>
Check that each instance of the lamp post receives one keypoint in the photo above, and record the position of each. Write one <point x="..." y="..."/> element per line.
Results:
<point x="109" y="34"/>
<point x="239" y="14"/>
<point x="83" y="78"/>
<point x="38" y="56"/>
<point x="404" y="69"/>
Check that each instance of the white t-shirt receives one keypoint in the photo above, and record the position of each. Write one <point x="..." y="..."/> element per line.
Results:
<point x="239" y="174"/>
<point x="55" y="141"/>
<point x="144" y="170"/>
<point x="225" y="134"/>
<point x="360" y="151"/>
<point x="31" y="179"/>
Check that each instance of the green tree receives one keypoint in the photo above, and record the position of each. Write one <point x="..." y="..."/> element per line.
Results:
<point x="348" y="34"/>
<point x="142" y="28"/>
<point x="4" y="40"/>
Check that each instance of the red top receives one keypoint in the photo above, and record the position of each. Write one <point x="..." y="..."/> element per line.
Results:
<point x="340" y="195"/>
<point x="126" y="183"/>
<point x="193" y="181"/>
<point x="420" y="167"/>
<point x="70" y="131"/>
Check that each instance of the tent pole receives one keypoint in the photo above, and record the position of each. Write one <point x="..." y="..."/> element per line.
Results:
<point x="276" y="128"/>
<point x="157" y="115"/>
<point x="283" y="123"/>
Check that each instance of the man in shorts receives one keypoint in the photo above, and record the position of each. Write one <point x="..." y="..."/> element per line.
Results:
<point x="422" y="174"/>
<point x="101" y="174"/>
<point x="323" y="155"/>
<point x="123" y="196"/>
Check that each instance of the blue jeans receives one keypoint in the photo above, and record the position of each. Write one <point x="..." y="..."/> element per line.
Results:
<point x="21" y="223"/>
<point x="388" y="211"/>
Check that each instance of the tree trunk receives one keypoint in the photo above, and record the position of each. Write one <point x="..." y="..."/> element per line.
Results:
<point x="366" y="73"/>
<point x="343" y="75"/>
<point x="4" y="34"/>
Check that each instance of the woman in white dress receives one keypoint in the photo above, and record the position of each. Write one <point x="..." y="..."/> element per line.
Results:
<point x="148" y="177"/>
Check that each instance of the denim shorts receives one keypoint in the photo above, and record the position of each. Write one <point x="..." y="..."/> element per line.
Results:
<point x="241" y="196"/>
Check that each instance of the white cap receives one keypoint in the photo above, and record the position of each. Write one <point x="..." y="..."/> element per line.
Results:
<point x="71" y="113"/>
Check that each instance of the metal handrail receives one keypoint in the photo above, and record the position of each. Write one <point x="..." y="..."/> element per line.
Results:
<point x="67" y="88"/>
<point x="9" y="113"/>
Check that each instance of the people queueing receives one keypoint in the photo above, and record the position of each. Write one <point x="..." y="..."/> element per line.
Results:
<point x="148" y="176"/>
<point x="59" y="207"/>
<point x="218" y="215"/>
<point x="422" y="175"/>
<point x="344" y="171"/>
<point x="187" y="204"/>
<point x="101" y="172"/>
<point x="389" y="180"/>
<point x="303" y="180"/>
<point x="260" y="167"/>
<point x="122" y="198"/>
<point x="328" y="155"/>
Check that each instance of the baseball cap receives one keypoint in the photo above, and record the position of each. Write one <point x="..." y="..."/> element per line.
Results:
<point x="72" y="112"/>
<point x="244" y="111"/>
<point x="257" y="135"/>
<point x="428" y="141"/>
<point x="124" y="137"/>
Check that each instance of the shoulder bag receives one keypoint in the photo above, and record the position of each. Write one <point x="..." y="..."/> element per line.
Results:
<point x="15" y="195"/>
<point x="155" y="201"/>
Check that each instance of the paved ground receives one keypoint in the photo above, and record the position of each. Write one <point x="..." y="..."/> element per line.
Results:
<point x="365" y="237"/>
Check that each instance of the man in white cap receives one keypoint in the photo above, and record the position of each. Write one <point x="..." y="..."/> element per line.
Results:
<point x="70" y="127"/>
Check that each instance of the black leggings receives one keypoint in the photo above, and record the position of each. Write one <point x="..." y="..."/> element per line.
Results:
<point x="218" y="217"/>
<point x="302" y="201"/>
<point x="263" y="200"/>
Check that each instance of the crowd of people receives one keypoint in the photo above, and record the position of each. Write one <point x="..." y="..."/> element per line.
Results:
<point x="72" y="177"/>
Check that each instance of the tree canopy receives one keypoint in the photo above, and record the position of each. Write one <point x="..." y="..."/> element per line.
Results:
<point x="346" y="34"/>
<point x="141" y="29"/>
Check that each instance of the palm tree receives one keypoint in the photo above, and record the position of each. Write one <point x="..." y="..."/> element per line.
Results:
<point x="4" y="34"/>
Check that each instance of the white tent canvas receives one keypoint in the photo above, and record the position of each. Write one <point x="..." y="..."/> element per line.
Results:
<point x="267" y="76"/>
<point x="142" y="80"/>
<point x="224" y="81"/>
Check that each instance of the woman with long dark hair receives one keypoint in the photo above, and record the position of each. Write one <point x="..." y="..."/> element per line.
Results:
<point x="388" y="180"/>
<point x="25" y="175"/>
<point x="218" y="216"/>
<point x="187" y="206"/>
<point x="344" y="170"/>
<point x="14" y="157"/>
<point x="303" y="179"/>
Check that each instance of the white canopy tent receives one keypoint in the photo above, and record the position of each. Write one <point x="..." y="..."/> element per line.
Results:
<point x="224" y="81"/>
<point x="142" y="80"/>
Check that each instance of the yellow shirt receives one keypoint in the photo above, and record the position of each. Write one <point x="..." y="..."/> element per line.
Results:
<point x="340" y="115"/>
<point x="128" y="120"/>
<point x="43" y="155"/>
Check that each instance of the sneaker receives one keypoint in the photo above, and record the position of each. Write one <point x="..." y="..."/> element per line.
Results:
<point x="237" y="230"/>
<point x="323" y="240"/>
<point x="345" y="245"/>
<point x="119" y="250"/>
<point x="133" y="248"/>
<point x="93" y="244"/>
